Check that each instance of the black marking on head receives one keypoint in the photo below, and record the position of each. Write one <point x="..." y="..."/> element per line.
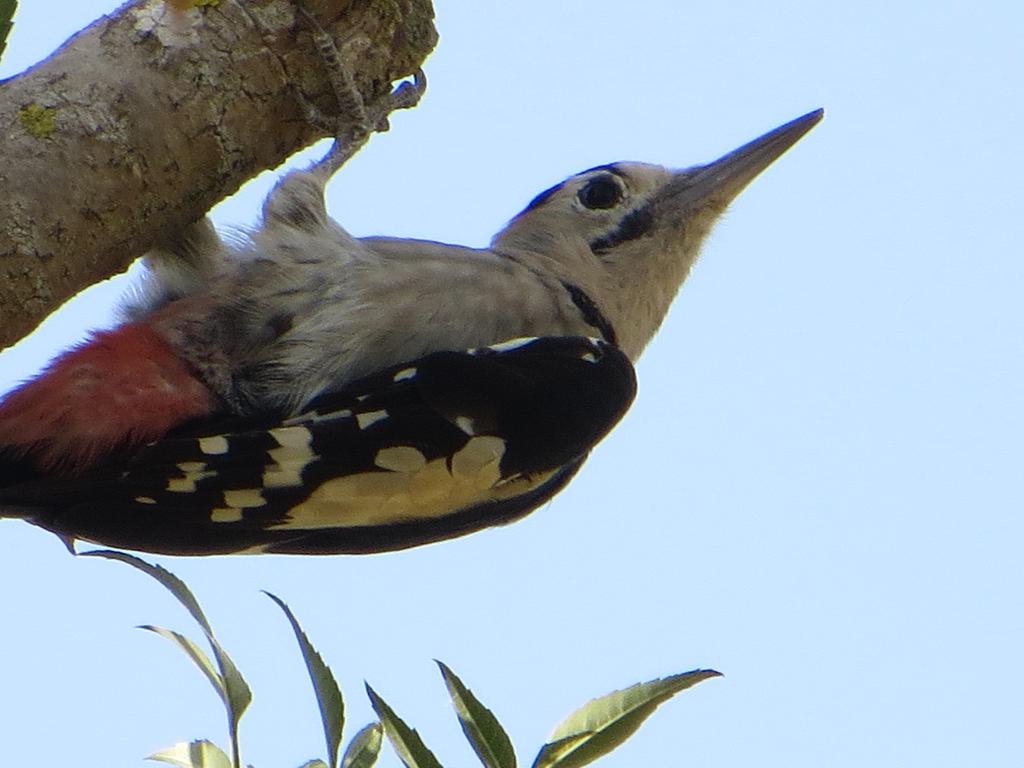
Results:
<point x="592" y="314"/>
<point x="547" y="194"/>
<point x="634" y="224"/>
<point x="543" y="197"/>
<point x="615" y="168"/>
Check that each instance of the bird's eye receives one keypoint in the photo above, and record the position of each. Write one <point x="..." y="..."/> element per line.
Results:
<point x="603" y="191"/>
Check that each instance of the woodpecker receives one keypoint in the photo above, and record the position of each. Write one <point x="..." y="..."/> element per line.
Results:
<point x="304" y="391"/>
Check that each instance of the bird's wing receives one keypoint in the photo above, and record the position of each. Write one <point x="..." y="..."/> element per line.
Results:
<point x="433" y="449"/>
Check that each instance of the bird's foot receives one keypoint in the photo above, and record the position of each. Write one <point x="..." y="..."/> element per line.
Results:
<point x="355" y="121"/>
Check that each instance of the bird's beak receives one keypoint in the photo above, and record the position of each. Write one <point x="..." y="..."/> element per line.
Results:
<point x="716" y="184"/>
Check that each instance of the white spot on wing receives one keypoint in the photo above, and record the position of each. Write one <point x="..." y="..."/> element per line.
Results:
<point x="292" y="455"/>
<point x="400" y="458"/>
<point x="277" y="476"/>
<point x="405" y="373"/>
<point x="590" y="357"/>
<point x="506" y="346"/>
<point x="244" y="498"/>
<point x="439" y="488"/>
<point x="315" y="418"/>
<point x="259" y="549"/>
<point x="193" y="472"/>
<point x="291" y="437"/>
<point x="465" y="423"/>
<point x="145" y="500"/>
<point x="371" y="417"/>
<point x="213" y="445"/>
<point x="290" y="458"/>
<point x="478" y="461"/>
<point x="221" y="515"/>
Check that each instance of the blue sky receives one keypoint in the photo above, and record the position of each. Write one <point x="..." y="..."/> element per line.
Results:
<point x="818" y="491"/>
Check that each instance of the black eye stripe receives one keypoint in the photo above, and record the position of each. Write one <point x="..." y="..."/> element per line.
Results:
<point x="633" y="225"/>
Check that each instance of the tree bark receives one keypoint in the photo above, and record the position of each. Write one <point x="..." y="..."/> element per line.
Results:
<point x="143" y="121"/>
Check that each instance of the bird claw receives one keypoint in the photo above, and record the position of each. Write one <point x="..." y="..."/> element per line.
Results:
<point x="354" y="122"/>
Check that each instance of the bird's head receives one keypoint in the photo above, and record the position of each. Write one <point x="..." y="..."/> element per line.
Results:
<point x="628" y="233"/>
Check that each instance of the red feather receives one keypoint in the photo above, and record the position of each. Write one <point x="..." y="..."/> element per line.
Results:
<point x="122" y="388"/>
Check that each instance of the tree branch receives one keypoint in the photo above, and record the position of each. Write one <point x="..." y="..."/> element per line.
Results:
<point x="142" y="122"/>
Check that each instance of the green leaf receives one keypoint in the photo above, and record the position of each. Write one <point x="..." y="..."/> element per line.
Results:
<point x="235" y="692"/>
<point x="328" y="694"/>
<point x="7" y="9"/>
<point x="197" y="655"/>
<point x="488" y="739"/>
<point x="314" y="763"/>
<point x="364" y="748"/>
<point x="195" y="754"/>
<point x="407" y="743"/>
<point x="601" y="725"/>
<point x="170" y="582"/>
<point x="239" y="693"/>
<point x="555" y="751"/>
